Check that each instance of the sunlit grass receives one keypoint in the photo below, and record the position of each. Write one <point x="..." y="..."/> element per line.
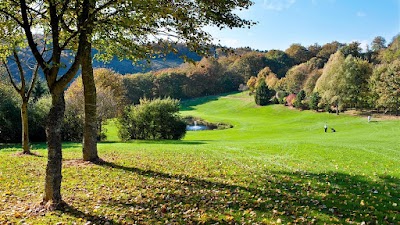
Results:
<point x="275" y="166"/>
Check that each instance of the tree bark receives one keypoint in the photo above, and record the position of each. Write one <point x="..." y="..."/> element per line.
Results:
<point x="89" y="90"/>
<point x="25" y="127"/>
<point x="52" y="195"/>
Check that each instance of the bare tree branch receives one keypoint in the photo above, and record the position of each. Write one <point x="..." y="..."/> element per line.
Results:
<point x="10" y="76"/>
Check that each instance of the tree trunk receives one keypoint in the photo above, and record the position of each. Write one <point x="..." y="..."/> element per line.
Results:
<point x="25" y="128"/>
<point x="89" y="89"/>
<point x="52" y="195"/>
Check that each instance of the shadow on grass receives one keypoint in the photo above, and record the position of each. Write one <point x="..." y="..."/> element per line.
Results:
<point x="174" y="142"/>
<point x="37" y="146"/>
<point x="70" y="210"/>
<point x="187" y="105"/>
<point x="296" y="197"/>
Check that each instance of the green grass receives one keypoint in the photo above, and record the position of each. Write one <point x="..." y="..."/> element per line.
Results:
<point x="275" y="166"/>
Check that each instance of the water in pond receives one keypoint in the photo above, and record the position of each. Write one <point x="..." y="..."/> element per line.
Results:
<point x="196" y="127"/>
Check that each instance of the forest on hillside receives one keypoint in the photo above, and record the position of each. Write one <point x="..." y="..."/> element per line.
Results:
<point x="332" y="77"/>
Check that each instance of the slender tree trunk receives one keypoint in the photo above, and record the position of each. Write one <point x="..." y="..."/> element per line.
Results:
<point x="25" y="127"/>
<point x="89" y="89"/>
<point x="52" y="195"/>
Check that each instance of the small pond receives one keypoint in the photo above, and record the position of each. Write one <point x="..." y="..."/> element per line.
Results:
<point x="196" y="127"/>
<point x="197" y="124"/>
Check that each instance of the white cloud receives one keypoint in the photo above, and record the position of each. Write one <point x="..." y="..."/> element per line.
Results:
<point x="361" y="14"/>
<point x="278" y="5"/>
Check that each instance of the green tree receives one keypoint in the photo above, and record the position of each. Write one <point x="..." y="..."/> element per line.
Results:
<point x="298" y="53"/>
<point x="386" y="85"/>
<point x="314" y="49"/>
<point x="313" y="101"/>
<point x="344" y="81"/>
<point x="279" y="62"/>
<point x="169" y="83"/>
<point x="39" y="90"/>
<point x="263" y="94"/>
<point x="378" y="43"/>
<point x="249" y="64"/>
<point x="12" y="46"/>
<point x="300" y="97"/>
<point x="353" y="49"/>
<point x="392" y="52"/>
<point x="327" y="85"/>
<point x="328" y="49"/>
<point x="124" y="29"/>
<point x="311" y="81"/>
<point x="295" y="78"/>
<point x="109" y="103"/>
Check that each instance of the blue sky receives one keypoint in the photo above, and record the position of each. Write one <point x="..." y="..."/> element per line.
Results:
<point x="284" y="22"/>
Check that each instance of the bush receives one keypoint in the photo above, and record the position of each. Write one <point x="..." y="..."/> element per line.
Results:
<point x="72" y="126"/>
<point x="10" y="116"/>
<point x="280" y="96"/>
<point x="38" y="111"/>
<point x="152" y="119"/>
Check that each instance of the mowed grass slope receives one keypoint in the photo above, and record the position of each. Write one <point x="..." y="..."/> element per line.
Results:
<point x="275" y="166"/>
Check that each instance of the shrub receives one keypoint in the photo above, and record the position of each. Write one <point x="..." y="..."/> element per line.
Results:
<point x="298" y="103"/>
<point x="290" y="99"/>
<point x="152" y="119"/>
<point x="72" y="125"/>
<point x="38" y="111"/>
<point x="280" y="96"/>
<point x="10" y="116"/>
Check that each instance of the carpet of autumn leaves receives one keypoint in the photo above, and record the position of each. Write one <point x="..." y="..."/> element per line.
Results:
<point x="134" y="188"/>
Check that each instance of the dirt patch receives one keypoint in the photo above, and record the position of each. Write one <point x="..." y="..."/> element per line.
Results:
<point x="77" y="163"/>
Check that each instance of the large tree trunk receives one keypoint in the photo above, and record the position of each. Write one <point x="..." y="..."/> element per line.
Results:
<point x="25" y="128"/>
<point x="89" y="89"/>
<point x="52" y="195"/>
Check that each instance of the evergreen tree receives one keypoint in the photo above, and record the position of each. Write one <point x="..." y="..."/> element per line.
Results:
<point x="299" y="99"/>
<point x="263" y="94"/>
<point x="314" y="100"/>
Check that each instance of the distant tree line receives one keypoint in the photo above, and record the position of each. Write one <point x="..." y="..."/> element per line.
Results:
<point x="332" y="77"/>
<point x="337" y="77"/>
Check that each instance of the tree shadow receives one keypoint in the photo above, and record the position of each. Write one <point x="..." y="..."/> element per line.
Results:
<point x="188" y="105"/>
<point x="9" y="146"/>
<point x="173" y="142"/>
<point x="297" y="197"/>
<point x="70" y="210"/>
<point x="34" y="154"/>
<point x="38" y="146"/>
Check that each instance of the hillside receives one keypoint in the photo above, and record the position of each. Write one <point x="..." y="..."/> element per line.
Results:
<point x="159" y="62"/>
<point x="124" y="66"/>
